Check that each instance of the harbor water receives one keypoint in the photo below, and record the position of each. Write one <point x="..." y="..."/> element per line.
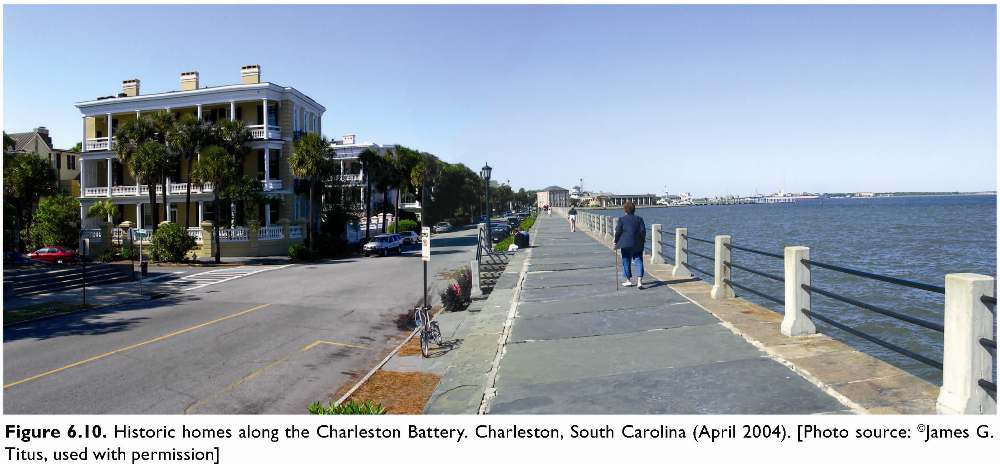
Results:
<point x="918" y="238"/>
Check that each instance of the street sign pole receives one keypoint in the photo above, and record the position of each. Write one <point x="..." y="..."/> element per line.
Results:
<point x="425" y="255"/>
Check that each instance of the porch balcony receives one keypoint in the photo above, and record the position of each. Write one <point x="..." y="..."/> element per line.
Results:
<point x="271" y="184"/>
<point x="98" y="144"/>
<point x="259" y="132"/>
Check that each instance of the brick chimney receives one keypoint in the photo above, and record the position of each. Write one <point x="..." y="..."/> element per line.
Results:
<point x="250" y="74"/>
<point x="130" y="87"/>
<point x="189" y="80"/>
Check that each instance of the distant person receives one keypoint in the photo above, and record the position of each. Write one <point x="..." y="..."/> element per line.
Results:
<point x="572" y="219"/>
<point x="630" y="238"/>
<point x="548" y="211"/>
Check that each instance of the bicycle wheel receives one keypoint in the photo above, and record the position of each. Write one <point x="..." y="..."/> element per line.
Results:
<point x="435" y="333"/>
<point x="425" y="343"/>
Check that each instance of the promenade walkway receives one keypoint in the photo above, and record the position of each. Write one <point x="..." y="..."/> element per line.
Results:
<point x="579" y="345"/>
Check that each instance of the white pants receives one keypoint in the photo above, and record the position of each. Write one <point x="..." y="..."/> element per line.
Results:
<point x="572" y="223"/>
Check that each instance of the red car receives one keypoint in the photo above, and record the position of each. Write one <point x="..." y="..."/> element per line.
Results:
<point x="53" y="254"/>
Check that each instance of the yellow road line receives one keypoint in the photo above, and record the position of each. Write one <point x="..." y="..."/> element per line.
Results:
<point x="257" y="372"/>
<point x="132" y="347"/>
<point x="327" y="342"/>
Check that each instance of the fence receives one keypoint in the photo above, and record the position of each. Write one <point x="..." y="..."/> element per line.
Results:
<point x="969" y="355"/>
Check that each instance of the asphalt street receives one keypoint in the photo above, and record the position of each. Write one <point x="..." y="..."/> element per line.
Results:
<point x="265" y="343"/>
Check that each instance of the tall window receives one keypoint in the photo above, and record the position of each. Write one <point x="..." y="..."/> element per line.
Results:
<point x="275" y="164"/>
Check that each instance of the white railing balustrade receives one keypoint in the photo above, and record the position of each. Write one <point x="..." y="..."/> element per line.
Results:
<point x="294" y="231"/>
<point x="350" y="178"/>
<point x="93" y="234"/>
<point x="98" y="144"/>
<point x="270" y="233"/>
<point x="234" y="234"/>
<point x="271" y="184"/>
<point x="258" y="132"/>
<point x="95" y="192"/>
<point x="195" y="233"/>
<point x="124" y="190"/>
<point x="144" y="189"/>
<point x="179" y="188"/>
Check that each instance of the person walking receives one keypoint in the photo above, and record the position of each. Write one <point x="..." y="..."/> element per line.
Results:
<point x="572" y="219"/>
<point x="630" y="238"/>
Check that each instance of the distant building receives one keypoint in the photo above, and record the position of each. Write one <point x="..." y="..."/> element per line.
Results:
<point x="346" y="151"/>
<point x="619" y="200"/>
<point x="65" y="162"/>
<point x="553" y="196"/>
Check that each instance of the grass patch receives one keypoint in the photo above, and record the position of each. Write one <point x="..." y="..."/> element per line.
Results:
<point x="347" y="407"/>
<point x="525" y="225"/>
<point x="38" y="311"/>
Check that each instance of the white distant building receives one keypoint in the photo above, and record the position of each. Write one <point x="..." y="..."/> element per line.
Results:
<point x="346" y="151"/>
<point x="554" y="196"/>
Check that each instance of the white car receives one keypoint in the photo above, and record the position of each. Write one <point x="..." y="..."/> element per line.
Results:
<point x="384" y="245"/>
<point x="410" y="237"/>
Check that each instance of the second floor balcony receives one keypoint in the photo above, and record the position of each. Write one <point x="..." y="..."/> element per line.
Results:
<point x="98" y="144"/>
<point x="259" y="132"/>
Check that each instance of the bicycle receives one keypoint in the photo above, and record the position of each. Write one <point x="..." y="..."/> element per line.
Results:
<point x="429" y="330"/>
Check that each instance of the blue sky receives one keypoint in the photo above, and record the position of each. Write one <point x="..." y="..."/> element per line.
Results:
<point x="705" y="99"/>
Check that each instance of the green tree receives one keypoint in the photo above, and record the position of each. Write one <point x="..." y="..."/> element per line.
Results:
<point x="216" y="166"/>
<point x="369" y="165"/>
<point x="56" y="222"/>
<point x="310" y="160"/>
<point x="8" y="143"/>
<point x="77" y="148"/>
<point x="26" y="179"/>
<point x="187" y="137"/>
<point x="138" y="148"/>
<point x="103" y="209"/>
<point x="163" y="124"/>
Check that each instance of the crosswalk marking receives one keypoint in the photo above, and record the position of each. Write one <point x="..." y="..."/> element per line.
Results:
<point x="218" y="276"/>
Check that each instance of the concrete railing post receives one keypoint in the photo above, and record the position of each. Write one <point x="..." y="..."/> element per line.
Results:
<point x="611" y="231"/>
<point x="656" y="251"/>
<point x="723" y="270"/>
<point x="797" y="298"/>
<point x="680" y="253"/>
<point x="966" y="321"/>
<point x="477" y="292"/>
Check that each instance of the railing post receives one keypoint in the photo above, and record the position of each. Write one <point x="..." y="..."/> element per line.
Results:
<point x="966" y="320"/>
<point x="614" y="227"/>
<point x="797" y="298"/>
<point x="657" y="252"/>
<point x="477" y="292"/>
<point x="680" y="253"/>
<point x="207" y="239"/>
<point x="723" y="271"/>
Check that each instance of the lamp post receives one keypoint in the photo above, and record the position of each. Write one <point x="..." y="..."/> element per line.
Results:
<point x="485" y="173"/>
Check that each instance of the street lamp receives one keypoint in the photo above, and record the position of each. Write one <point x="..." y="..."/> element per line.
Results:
<point x="485" y="173"/>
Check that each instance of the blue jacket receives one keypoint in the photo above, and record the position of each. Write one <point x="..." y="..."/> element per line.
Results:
<point x="630" y="233"/>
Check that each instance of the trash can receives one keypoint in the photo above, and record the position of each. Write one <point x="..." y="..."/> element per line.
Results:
<point x="143" y="268"/>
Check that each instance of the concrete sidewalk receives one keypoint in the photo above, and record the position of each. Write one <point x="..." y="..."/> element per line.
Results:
<point x="578" y="345"/>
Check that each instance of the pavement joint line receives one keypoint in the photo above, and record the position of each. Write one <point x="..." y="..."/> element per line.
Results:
<point x="327" y="342"/>
<point x="132" y="347"/>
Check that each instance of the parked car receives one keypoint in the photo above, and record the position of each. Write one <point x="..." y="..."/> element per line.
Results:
<point x="513" y="221"/>
<point x="442" y="227"/>
<point x="384" y="245"/>
<point x="53" y="254"/>
<point x="499" y="230"/>
<point x="410" y="237"/>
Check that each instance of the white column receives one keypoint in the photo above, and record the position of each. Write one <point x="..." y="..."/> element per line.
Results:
<point x="265" y="118"/>
<point x="967" y="319"/>
<point x="83" y="176"/>
<point x="199" y="112"/>
<point x="680" y="253"/>
<point x="657" y="250"/>
<point x="109" y="130"/>
<point x="797" y="298"/>
<point x="83" y="144"/>
<point x="267" y="166"/>
<point x="723" y="269"/>
<point x="166" y="210"/>
<point x="201" y="212"/>
<point x="109" y="176"/>
<point x="138" y="215"/>
<point x="267" y="214"/>
<point x="232" y="110"/>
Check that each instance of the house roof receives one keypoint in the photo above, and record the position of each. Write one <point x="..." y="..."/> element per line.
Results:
<point x="25" y="141"/>
<point x="554" y="188"/>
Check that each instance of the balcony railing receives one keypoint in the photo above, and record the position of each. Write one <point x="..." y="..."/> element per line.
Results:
<point x="271" y="184"/>
<point x="134" y="190"/>
<point x="350" y="178"/>
<point x="98" y="144"/>
<point x="259" y="132"/>
<point x="234" y="234"/>
<point x="270" y="233"/>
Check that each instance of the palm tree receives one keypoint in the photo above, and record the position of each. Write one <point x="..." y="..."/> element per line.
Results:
<point x="310" y="160"/>
<point x="186" y="139"/>
<point x="386" y="177"/>
<point x="163" y="122"/>
<point x="217" y="166"/>
<point x="137" y="148"/>
<point x="369" y="160"/>
<point x="103" y="209"/>
<point x="233" y="137"/>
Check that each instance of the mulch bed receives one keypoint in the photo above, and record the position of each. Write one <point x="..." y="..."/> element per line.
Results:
<point x="398" y="392"/>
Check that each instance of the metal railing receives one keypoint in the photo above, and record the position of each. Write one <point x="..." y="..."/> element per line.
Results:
<point x="991" y="346"/>
<point x="694" y="253"/>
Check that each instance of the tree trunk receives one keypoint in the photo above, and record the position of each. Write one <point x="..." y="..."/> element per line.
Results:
<point x="309" y="233"/>
<point x="166" y="214"/>
<point x="385" y="199"/>
<point x="368" y="208"/>
<point x="152" y="204"/>
<point x="187" y="199"/>
<point x="215" y="228"/>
